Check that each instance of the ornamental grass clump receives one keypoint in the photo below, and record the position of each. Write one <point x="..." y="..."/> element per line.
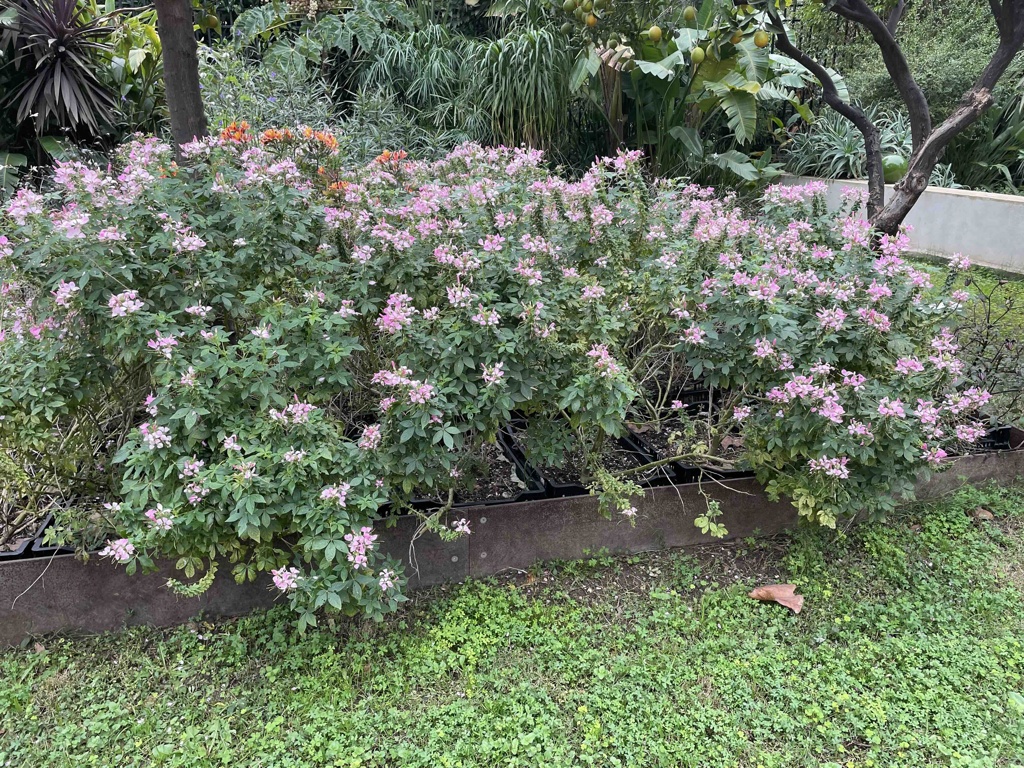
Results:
<point x="265" y="353"/>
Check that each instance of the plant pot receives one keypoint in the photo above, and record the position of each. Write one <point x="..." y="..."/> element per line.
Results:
<point x="557" y="487"/>
<point x="39" y="549"/>
<point x="534" y="489"/>
<point x="24" y="545"/>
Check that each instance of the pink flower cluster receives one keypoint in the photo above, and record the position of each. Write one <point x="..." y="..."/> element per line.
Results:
<point x="285" y="579"/>
<point x="359" y="545"/>
<point x="120" y="550"/>
<point x="124" y="304"/>
<point x="336" y="493"/>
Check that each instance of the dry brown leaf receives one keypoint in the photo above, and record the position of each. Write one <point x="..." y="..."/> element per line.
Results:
<point x="783" y="594"/>
<point x="980" y="513"/>
<point x="729" y="441"/>
<point x="39" y="648"/>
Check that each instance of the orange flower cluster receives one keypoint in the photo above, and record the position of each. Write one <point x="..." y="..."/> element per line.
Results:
<point x="387" y="156"/>
<point x="325" y="138"/>
<point x="237" y="132"/>
<point x="273" y="134"/>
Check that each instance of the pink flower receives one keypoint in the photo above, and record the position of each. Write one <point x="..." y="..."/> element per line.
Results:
<point x="336" y="493"/>
<point x="741" y="412"/>
<point x="191" y="467"/>
<point x="65" y="290"/>
<point x="908" y="365"/>
<point x="292" y="456"/>
<point x="694" y="335"/>
<point x="833" y="467"/>
<point x="859" y="429"/>
<point x="878" y="291"/>
<point x="159" y="518"/>
<point x="386" y="580"/>
<point x="198" y="310"/>
<point x="397" y="314"/>
<point x="491" y="243"/>
<point x="231" y="443"/>
<point x="591" y="292"/>
<point x="421" y="393"/>
<point x="830" y="409"/>
<point x="877" y="320"/>
<point x="970" y="433"/>
<point x="486" y="317"/>
<point x="959" y="262"/>
<point x="163" y="344"/>
<point x="123" y="304"/>
<point x="933" y="455"/>
<point x="359" y="545"/>
<point x="371" y="438"/>
<point x="628" y="512"/>
<point x="603" y="361"/>
<point x="888" y="407"/>
<point x="831" y="319"/>
<point x="120" y="550"/>
<point x="285" y="579"/>
<point x="493" y="374"/>
<point x="293" y="413"/>
<point x="851" y="379"/>
<point x="461" y="526"/>
<point x="764" y="348"/>
<point x="154" y="437"/>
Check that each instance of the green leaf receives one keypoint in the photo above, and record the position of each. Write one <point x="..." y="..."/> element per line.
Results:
<point x="689" y="138"/>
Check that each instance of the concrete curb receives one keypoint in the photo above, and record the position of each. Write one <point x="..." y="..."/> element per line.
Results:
<point x="62" y="594"/>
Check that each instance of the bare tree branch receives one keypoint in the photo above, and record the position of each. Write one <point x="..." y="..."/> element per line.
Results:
<point x="895" y="16"/>
<point x="895" y="63"/>
<point x="872" y="143"/>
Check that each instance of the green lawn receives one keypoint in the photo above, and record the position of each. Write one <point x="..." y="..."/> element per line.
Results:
<point x="909" y="652"/>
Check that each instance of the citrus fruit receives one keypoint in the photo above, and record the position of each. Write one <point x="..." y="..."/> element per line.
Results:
<point x="690" y="14"/>
<point x="655" y="34"/>
<point x="762" y="38"/>
<point x="697" y="56"/>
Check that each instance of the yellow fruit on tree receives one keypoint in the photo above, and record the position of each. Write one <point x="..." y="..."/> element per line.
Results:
<point x="690" y="14"/>
<point x="697" y="56"/>
<point x="737" y="37"/>
<point x="655" y="34"/>
<point x="591" y="20"/>
<point x="762" y="38"/>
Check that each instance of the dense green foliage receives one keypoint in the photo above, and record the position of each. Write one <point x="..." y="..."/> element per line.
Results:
<point x="908" y="653"/>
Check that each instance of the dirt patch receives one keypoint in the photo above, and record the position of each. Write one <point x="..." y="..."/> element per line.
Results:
<point x="689" y="571"/>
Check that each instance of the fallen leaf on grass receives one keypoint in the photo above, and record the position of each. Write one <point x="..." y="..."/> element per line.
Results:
<point x="783" y="594"/>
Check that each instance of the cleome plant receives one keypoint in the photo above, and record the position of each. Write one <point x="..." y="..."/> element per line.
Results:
<point x="266" y="354"/>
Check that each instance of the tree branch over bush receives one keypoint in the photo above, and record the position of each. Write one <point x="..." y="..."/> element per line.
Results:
<point x="929" y="142"/>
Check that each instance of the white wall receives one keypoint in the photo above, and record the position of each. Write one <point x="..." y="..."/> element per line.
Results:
<point x="986" y="227"/>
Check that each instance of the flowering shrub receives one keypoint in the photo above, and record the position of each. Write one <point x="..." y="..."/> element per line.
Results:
<point x="269" y="351"/>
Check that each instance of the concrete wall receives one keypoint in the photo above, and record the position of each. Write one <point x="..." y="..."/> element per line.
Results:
<point x="986" y="227"/>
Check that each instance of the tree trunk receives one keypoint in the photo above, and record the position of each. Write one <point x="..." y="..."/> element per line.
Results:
<point x="181" y="70"/>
